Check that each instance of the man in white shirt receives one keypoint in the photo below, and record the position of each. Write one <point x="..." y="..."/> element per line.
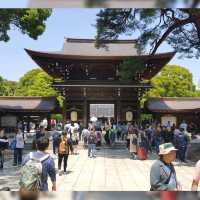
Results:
<point x="18" y="151"/>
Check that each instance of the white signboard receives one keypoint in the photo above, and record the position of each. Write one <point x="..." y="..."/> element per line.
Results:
<point x="168" y="118"/>
<point x="8" y="121"/>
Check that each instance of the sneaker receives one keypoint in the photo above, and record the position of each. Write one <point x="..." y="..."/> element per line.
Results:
<point x="60" y="173"/>
<point x="65" y="173"/>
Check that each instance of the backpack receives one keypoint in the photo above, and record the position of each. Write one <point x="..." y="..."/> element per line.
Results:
<point x="91" y="139"/>
<point x="30" y="179"/>
<point x="62" y="146"/>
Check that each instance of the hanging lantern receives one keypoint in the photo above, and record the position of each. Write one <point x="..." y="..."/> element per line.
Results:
<point x="74" y="116"/>
<point x="129" y="116"/>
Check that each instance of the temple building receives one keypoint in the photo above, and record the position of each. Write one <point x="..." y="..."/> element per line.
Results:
<point x="174" y="110"/>
<point x="26" y="110"/>
<point x="86" y="75"/>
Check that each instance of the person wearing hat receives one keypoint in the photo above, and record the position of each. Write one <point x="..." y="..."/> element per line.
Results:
<point x="163" y="174"/>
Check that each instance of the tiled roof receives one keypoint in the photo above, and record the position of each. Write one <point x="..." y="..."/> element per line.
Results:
<point x="182" y="104"/>
<point x="28" y="103"/>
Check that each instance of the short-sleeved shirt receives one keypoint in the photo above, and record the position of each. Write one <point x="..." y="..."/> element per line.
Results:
<point x="48" y="168"/>
<point x="197" y="172"/>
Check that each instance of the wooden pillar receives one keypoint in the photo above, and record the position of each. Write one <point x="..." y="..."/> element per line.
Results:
<point x="138" y="112"/>
<point x="49" y="121"/>
<point x="138" y="120"/>
<point x="118" y="105"/>
<point x="64" y="111"/>
<point x="118" y="111"/>
<point x="85" y="113"/>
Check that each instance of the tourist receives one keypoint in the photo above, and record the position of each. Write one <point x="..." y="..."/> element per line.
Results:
<point x="19" y="146"/>
<point x="183" y="125"/>
<point x="162" y="174"/>
<point x="133" y="136"/>
<point x="4" y="144"/>
<point x="168" y="135"/>
<point x="103" y="135"/>
<point x="99" y="137"/>
<point x="119" y="131"/>
<point x="142" y="140"/>
<point x="124" y="131"/>
<point x="181" y="142"/>
<point x="85" y="135"/>
<point x="56" y="138"/>
<point x="48" y="165"/>
<point x="63" y="152"/>
<point x="92" y="140"/>
<point x="149" y="136"/>
<point x="40" y="132"/>
<point x="107" y="139"/>
<point x="158" y="138"/>
<point x="112" y="135"/>
<point x="74" y="138"/>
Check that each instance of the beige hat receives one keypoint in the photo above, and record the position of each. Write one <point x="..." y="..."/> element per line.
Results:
<point x="166" y="148"/>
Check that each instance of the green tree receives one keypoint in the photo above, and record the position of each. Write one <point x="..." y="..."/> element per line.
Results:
<point x="35" y="83"/>
<point x="180" y="28"/>
<point x="172" y="81"/>
<point x="10" y="87"/>
<point x="2" y="87"/>
<point x="29" y="21"/>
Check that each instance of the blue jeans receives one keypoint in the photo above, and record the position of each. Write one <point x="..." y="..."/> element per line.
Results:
<point x="91" y="150"/>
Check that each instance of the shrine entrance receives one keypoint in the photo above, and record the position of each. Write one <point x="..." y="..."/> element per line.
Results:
<point x="102" y="112"/>
<point x="85" y="75"/>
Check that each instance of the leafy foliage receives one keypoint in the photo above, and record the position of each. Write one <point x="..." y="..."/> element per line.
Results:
<point x="180" y="28"/>
<point x="130" y="68"/>
<point x="35" y="83"/>
<point x="29" y="21"/>
<point x="173" y="81"/>
<point x="7" y="88"/>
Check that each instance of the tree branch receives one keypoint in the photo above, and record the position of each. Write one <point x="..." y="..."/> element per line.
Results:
<point x="169" y="30"/>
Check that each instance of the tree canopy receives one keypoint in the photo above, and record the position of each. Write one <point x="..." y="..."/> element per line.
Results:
<point x="173" y="81"/>
<point x="180" y="28"/>
<point x="35" y="83"/>
<point x="7" y="88"/>
<point x="29" y="21"/>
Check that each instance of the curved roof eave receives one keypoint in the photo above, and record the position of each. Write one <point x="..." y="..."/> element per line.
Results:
<point x="61" y="55"/>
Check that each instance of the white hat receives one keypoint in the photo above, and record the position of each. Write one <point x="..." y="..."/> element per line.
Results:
<point x="166" y="148"/>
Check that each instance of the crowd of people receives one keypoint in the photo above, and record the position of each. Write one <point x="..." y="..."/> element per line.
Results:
<point x="168" y="142"/>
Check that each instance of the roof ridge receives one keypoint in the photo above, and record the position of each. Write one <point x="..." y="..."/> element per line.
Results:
<point x="90" y="40"/>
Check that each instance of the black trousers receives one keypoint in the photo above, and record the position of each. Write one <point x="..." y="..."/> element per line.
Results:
<point x="60" y="159"/>
<point x="18" y="156"/>
<point x="1" y="159"/>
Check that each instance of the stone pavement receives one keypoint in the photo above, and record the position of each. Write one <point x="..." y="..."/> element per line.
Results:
<point x="112" y="170"/>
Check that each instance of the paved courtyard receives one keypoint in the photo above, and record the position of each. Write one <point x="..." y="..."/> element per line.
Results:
<point x="112" y="170"/>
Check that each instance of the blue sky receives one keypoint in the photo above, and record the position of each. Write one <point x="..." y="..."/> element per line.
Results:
<point x="76" y="23"/>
